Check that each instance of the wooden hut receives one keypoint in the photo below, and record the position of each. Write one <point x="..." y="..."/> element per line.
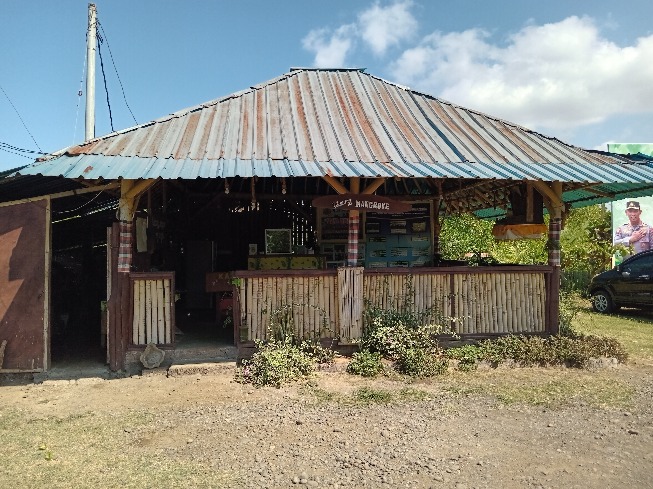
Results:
<point x="311" y="193"/>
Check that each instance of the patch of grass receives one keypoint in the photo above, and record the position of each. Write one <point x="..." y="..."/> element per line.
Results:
<point x="319" y="394"/>
<point x="594" y="392"/>
<point x="368" y="395"/>
<point x="409" y="394"/>
<point x="633" y="328"/>
<point x="91" y="450"/>
<point x="553" y="388"/>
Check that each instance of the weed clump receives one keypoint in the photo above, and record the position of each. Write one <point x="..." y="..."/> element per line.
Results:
<point x="366" y="364"/>
<point x="276" y="362"/>
<point x="529" y="351"/>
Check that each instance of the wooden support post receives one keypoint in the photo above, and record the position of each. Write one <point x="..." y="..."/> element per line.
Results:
<point x="116" y="357"/>
<point x="553" y="289"/>
<point x="119" y="303"/>
<point x="373" y="187"/>
<point x="335" y="184"/>
<point x="354" y="224"/>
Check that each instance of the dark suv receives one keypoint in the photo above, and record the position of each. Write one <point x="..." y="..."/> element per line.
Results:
<point x="628" y="284"/>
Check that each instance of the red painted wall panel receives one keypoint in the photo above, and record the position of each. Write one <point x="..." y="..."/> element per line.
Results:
<point x="23" y="301"/>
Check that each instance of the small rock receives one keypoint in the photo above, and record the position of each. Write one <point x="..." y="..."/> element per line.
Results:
<point x="633" y="432"/>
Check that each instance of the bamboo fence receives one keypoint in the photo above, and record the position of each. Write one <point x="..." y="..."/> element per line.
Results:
<point x="152" y="309"/>
<point x="327" y="304"/>
<point x="302" y="303"/>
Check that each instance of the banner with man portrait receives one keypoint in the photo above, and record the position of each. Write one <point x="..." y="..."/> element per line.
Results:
<point x="632" y="217"/>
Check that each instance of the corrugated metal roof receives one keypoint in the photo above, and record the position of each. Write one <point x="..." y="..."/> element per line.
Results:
<point x="312" y="122"/>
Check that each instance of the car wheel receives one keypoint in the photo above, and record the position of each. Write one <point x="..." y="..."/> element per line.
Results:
<point x="602" y="302"/>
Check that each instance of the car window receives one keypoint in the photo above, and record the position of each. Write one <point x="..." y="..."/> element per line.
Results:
<point x="641" y="266"/>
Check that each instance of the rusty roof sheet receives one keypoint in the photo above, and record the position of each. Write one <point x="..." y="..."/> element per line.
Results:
<point x="314" y="122"/>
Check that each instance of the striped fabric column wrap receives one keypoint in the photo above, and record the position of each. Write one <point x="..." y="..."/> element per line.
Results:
<point x="554" y="242"/>
<point x="352" y="240"/>
<point x="125" y="247"/>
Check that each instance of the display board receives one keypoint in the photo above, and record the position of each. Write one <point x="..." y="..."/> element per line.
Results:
<point x="399" y="240"/>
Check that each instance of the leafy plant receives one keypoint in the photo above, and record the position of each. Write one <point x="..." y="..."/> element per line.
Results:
<point x="317" y="352"/>
<point x="586" y="240"/>
<point x="418" y="362"/>
<point x="573" y="351"/>
<point x="406" y="335"/>
<point x="275" y="363"/>
<point x="366" y="364"/>
<point x="569" y="309"/>
<point x="282" y="320"/>
<point x="467" y="356"/>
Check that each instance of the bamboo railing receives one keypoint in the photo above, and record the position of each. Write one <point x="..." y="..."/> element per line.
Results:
<point x="152" y="308"/>
<point x="478" y="301"/>
<point x="301" y="301"/>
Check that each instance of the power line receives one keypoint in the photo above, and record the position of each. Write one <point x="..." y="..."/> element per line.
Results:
<point x="106" y="89"/>
<point x="22" y="150"/>
<point x="115" y="68"/>
<point x="21" y="119"/>
<point x="15" y="153"/>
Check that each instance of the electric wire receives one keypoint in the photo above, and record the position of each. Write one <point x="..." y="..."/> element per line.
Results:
<point x="81" y="206"/>
<point x="115" y="68"/>
<point x="14" y="152"/>
<point x="21" y="119"/>
<point x="106" y="89"/>
<point x="22" y="150"/>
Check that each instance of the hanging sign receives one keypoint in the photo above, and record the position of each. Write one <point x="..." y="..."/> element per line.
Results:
<point x="361" y="202"/>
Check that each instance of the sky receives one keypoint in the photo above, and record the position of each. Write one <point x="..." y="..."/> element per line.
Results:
<point x="578" y="70"/>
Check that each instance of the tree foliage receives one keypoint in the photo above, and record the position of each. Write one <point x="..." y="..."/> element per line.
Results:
<point x="463" y="234"/>
<point x="585" y="242"/>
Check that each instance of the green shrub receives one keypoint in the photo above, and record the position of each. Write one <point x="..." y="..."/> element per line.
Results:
<point x="418" y="362"/>
<point x="366" y="364"/>
<point x="317" y="352"/>
<point x="572" y="351"/>
<point x="391" y="340"/>
<point x="467" y="356"/>
<point x="275" y="363"/>
<point x="568" y="310"/>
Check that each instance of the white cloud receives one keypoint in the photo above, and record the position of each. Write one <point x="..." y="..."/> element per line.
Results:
<point x="330" y="48"/>
<point x="379" y="28"/>
<point x="383" y="27"/>
<point x="556" y="76"/>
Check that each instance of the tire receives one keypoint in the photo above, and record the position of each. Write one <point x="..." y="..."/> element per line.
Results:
<point x="602" y="302"/>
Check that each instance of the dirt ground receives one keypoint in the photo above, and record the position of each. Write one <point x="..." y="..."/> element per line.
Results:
<point x="494" y="428"/>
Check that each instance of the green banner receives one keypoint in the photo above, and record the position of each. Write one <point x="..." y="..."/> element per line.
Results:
<point x="631" y="148"/>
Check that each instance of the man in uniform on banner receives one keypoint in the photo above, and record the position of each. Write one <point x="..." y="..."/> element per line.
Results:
<point x="634" y="233"/>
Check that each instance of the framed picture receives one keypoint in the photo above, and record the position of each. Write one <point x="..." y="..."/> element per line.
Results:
<point x="278" y="241"/>
<point x="253" y="248"/>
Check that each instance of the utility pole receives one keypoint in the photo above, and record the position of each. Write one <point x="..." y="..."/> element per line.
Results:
<point x="91" y="46"/>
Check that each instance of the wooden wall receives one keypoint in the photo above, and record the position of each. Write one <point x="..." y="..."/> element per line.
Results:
<point x="24" y="285"/>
